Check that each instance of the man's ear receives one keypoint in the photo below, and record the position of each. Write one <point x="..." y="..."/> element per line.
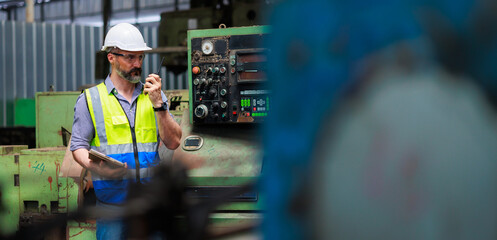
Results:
<point x="110" y="57"/>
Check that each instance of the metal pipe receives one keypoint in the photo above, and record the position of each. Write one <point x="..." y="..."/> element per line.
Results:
<point x="137" y="10"/>
<point x="71" y="10"/>
<point x="42" y="11"/>
<point x="30" y="11"/>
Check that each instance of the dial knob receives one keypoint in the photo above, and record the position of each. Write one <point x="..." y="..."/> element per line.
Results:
<point x="197" y="55"/>
<point x="201" y="111"/>
<point x="224" y="104"/>
<point x="223" y="92"/>
<point x="215" y="105"/>
<point x="212" y="92"/>
<point x="196" y="81"/>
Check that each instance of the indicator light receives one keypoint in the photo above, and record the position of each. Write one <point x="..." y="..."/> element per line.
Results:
<point x="196" y="70"/>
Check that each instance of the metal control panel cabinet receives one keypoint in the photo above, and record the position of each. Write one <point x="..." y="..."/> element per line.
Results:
<point x="227" y="75"/>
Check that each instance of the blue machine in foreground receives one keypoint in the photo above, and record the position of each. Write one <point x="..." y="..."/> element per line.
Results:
<point x="319" y="52"/>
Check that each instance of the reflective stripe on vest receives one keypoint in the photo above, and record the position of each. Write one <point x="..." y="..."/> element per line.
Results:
<point x="114" y="137"/>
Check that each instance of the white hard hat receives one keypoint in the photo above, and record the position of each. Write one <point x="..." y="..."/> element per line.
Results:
<point x="125" y="37"/>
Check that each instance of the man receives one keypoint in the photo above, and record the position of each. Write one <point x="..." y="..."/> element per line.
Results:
<point x="124" y="119"/>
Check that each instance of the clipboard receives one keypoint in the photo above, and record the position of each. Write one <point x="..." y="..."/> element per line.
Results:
<point x="98" y="156"/>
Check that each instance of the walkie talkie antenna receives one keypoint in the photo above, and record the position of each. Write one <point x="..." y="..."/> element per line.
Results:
<point x="160" y="66"/>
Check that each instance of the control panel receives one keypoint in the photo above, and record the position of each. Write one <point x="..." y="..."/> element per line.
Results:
<point x="227" y="75"/>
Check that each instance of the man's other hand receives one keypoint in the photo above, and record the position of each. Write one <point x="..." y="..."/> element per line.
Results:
<point x="107" y="170"/>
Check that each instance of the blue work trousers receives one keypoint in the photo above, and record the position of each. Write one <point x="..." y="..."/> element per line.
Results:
<point x="111" y="228"/>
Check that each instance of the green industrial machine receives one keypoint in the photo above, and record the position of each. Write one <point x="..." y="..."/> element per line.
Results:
<point x="33" y="187"/>
<point x="32" y="190"/>
<point x="220" y="140"/>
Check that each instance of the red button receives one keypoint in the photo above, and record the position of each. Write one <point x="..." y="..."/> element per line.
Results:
<point x="234" y="112"/>
<point x="196" y="70"/>
<point x="254" y="110"/>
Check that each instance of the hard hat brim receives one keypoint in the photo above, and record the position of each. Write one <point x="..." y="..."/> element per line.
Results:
<point x="105" y="48"/>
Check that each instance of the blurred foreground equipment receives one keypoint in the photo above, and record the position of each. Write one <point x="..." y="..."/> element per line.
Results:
<point x="400" y="140"/>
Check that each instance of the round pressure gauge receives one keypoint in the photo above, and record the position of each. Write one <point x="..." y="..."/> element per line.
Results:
<point x="207" y="47"/>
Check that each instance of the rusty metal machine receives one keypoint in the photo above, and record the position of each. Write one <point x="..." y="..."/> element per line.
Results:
<point x="34" y="189"/>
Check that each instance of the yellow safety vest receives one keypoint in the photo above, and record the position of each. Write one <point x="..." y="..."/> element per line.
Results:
<point x="137" y="146"/>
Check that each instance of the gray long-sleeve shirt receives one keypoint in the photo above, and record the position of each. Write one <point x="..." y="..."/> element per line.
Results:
<point x="82" y="128"/>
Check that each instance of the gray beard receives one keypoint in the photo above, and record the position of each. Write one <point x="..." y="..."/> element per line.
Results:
<point x="127" y="75"/>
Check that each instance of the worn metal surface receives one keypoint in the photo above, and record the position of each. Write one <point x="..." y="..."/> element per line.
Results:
<point x="228" y="151"/>
<point x="31" y="186"/>
<point x="12" y="149"/>
<point x="39" y="178"/>
<point x="9" y="192"/>
<point x="84" y="230"/>
<point x="234" y="218"/>
<point x="42" y="193"/>
<point x="230" y="156"/>
<point x="31" y="189"/>
<point x="68" y="194"/>
<point x="53" y="111"/>
<point x="231" y="224"/>
<point x="178" y="101"/>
